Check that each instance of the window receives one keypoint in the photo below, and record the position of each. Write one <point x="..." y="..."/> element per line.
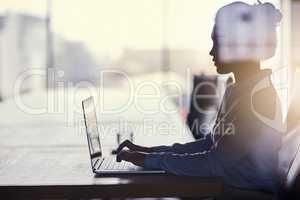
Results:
<point x="137" y="36"/>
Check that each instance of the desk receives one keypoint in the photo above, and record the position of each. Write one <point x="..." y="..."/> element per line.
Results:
<point x="46" y="156"/>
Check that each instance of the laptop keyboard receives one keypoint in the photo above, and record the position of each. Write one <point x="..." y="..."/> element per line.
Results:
<point x="110" y="163"/>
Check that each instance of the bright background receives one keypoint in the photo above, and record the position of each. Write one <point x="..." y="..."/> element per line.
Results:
<point x="140" y="37"/>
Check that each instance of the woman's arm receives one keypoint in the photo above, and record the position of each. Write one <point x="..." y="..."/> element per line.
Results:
<point x="191" y="147"/>
<point x="197" y="164"/>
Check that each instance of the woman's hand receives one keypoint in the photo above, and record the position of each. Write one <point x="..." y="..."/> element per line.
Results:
<point x="128" y="144"/>
<point x="137" y="158"/>
<point x="132" y="147"/>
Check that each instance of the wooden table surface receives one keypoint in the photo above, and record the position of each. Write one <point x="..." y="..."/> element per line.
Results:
<point x="45" y="155"/>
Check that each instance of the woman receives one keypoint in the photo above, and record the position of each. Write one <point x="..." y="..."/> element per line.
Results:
<point x="245" y="152"/>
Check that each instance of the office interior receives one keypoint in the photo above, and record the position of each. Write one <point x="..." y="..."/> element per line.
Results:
<point x="141" y="55"/>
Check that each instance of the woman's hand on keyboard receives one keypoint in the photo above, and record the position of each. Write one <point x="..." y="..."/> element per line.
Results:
<point x="133" y="147"/>
<point x="136" y="158"/>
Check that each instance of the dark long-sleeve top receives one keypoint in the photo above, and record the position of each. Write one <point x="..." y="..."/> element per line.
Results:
<point x="243" y="145"/>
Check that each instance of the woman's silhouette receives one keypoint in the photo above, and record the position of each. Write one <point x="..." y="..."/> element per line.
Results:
<point x="244" y="142"/>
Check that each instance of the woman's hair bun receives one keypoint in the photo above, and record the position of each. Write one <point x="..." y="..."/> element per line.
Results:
<point x="273" y="15"/>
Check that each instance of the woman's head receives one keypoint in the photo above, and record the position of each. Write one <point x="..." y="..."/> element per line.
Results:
<point x="244" y="33"/>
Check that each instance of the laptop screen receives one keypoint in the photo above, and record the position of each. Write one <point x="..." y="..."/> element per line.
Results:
<point x="92" y="132"/>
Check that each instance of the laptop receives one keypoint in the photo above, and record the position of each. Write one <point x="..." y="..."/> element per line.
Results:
<point x="104" y="164"/>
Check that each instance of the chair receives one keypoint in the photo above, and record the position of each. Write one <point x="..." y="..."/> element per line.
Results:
<point x="289" y="155"/>
<point x="206" y="97"/>
<point x="289" y="165"/>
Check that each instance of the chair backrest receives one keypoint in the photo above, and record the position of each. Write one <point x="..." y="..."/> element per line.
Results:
<point x="209" y="86"/>
<point x="202" y="85"/>
<point x="293" y="116"/>
<point x="289" y="157"/>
